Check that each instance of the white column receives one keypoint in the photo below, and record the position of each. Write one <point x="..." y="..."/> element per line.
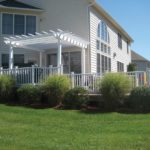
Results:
<point x="59" y="51"/>
<point x="83" y="60"/>
<point x="41" y="57"/>
<point x="11" y="57"/>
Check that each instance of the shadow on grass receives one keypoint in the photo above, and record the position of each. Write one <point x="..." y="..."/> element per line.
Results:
<point x="120" y="110"/>
<point x="32" y="106"/>
<point x="85" y="110"/>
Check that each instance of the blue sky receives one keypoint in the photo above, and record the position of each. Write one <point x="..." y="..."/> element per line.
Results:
<point x="134" y="17"/>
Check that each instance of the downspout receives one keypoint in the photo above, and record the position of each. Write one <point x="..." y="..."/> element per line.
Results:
<point x="89" y="28"/>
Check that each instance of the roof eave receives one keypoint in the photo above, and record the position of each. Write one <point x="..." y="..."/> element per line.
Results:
<point x="113" y="22"/>
<point x="26" y="9"/>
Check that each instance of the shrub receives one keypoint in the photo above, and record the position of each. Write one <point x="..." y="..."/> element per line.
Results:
<point x="139" y="99"/>
<point x="75" y="98"/>
<point x="7" y="86"/>
<point x="131" y="67"/>
<point x="55" y="88"/>
<point x="29" y="94"/>
<point x="114" y="87"/>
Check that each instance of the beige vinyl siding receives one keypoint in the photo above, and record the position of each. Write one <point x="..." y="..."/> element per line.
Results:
<point x="69" y="15"/>
<point x="121" y="56"/>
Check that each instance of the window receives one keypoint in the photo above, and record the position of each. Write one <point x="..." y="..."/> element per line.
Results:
<point x="119" y="41"/>
<point x="109" y="51"/>
<point x="127" y="47"/>
<point x="70" y="60"/>
<point x="120" y="67"/>
<point x="52" y="59"/>
<point x="106" y="64"/>
<point x="98" y="45"/>
<point x="30" y="24"/>
<point x="104" y="31"/>
<point x="18" y="60"/>
<point x="98" y="63"/>
<point x="75" y="62"/>
<point x="18" y="24"/>
<point x="105" y="48"/>
<point x="109" y="64"/>
<point x="102" y="47"/>
<point x="7" y="24"/>
<point x="65" y="62"/>
<point x="99" y="30"/>
<point x="103" y="64"/>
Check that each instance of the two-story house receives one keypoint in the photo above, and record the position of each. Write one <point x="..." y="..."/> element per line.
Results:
<point x="109" y="44"/>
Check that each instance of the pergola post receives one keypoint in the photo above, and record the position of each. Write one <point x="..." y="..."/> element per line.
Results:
<point x="83" y="60"/>
<point x="59" y="51"/>
<point x="11" y="57"/>
<point x="41" y="57"/>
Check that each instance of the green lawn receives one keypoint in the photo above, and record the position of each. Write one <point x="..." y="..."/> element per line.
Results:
<point x="29" y="129"/>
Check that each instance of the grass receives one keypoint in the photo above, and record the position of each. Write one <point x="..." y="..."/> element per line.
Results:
<point x="30" y="129"/>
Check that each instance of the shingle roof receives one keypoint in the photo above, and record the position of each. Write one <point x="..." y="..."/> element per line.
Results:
<point x="137" y="57"/>
<point x="16" y="4"/>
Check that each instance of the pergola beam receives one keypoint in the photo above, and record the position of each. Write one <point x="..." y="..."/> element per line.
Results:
<point x="39" y="40"/>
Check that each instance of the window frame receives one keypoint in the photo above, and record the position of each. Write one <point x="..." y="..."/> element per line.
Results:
<point x="119" y="41"/>
<point x="2" y="23"/>
<point x="25" y="15"/>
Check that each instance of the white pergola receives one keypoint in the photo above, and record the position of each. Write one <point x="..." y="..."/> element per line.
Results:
<point x="47" y="40"/>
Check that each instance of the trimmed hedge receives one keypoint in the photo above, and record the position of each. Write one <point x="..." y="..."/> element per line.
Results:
<point x="139" y="99"/>
<point x="7" y="86"/>
<point x="75" y="98"/>
<point x="114" y="87"/>
<point x="29" y="94"/>
<point x="55" y="88"/>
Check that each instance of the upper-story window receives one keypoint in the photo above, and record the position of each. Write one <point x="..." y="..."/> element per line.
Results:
<point x="102" y="32"/>
<point x="119" y="41"/>
<point x="18" y="24"/>
<point x="127" y="47"/>
<point x="7" y="24"/>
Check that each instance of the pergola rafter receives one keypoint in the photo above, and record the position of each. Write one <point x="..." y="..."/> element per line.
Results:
<point x="46" y="40"/>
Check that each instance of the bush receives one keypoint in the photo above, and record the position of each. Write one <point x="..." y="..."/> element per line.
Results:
<point x="131" y="67"/>
<point x="7" y="86"/>
<point x="75" y="98"/>
<point x="29" y="94"/>
<point x="114" y="87"/>
<point x="55" y="88"/>
<point x="139" y="99"/>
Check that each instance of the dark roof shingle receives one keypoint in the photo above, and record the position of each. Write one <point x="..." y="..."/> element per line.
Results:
<point x="16" y="4"/>
<point x="137" y="57"/>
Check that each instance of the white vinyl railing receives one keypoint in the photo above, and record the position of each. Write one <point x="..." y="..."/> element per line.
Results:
<point x="88" y="81"/>
<point x="91" y="82"/>
<point x="31" y="75"/>
<point x="37" y="75"/>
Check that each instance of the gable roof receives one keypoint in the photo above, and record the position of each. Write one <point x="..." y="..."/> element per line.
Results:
<point x="112" y="21"/>
<point x="137" y="57"/>
<point x="16" y="4"/>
